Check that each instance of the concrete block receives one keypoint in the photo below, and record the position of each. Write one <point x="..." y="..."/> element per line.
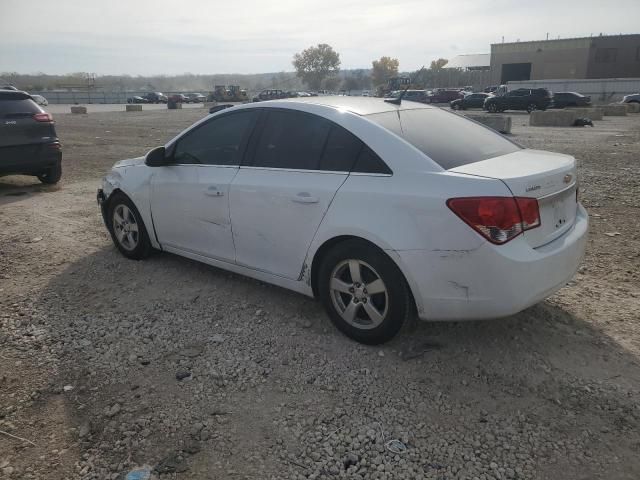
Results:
<point x="174" y="106"/>
<point x="615" y="110"/>
<point x="500" y="123"/>
<point x="633" y="107"/>
<point x="134" y="108"/>
<point x="592" y="113"/>
<point x="552" y="118"/>
<point x="78" y="109"/>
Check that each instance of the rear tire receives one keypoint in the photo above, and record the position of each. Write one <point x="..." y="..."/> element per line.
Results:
<point x="364" y="292"/>
<point x="531" y="107"/>
<point x="52" y="175"/>
<point x="127" y="228"/>
<point x="493" y="108"/>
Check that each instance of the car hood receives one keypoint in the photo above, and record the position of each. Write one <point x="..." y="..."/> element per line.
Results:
<point x="130" y="162"/>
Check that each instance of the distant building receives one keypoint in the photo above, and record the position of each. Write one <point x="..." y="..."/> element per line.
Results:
<point x="615" y="56"/>
<point x="473" y="62"/>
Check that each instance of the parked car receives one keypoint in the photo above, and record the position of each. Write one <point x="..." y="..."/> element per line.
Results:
<point x="569" y="99"/>
<point x="491" y="89"/>
<point x="633" y="98"/>
<point x="366" y="93"/>
<point x="29" y="144"/>
<point x="520" y="99"/>
<point x="472" y="100"/>
<point x="269" y="94"/>
<point x="195" y="98"/>
<point x="441" y="95"/>
<point x="178" y="98"/>
<point x="155" y="97"/>
<point x="303" y="94"/>
<point x="137" y="99"/>
<point x="40" y="100"/>
<point x="379" y="210"/>
<point x="412" y="95"/>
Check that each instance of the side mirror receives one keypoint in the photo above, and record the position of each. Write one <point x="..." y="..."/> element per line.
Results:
<point x="156" y="157"/>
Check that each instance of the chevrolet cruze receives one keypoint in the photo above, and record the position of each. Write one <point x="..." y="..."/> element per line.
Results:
<point x="380" y="210"/>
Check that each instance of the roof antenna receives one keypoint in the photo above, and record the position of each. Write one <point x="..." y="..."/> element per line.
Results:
<point x="398" y="101"/>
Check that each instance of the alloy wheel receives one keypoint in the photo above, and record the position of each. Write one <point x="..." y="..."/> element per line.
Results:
<point x="125" y="227"/>
<point x="359" y="294"/>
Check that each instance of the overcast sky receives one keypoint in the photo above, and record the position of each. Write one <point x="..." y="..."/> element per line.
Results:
<point x="252" y="36"/>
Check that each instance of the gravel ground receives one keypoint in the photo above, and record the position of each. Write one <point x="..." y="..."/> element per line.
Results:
<point x="108" y="364"/>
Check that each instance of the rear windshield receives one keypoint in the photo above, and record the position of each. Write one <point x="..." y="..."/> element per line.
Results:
<point x="13" y="107"/>
<point x="448" y="139"/>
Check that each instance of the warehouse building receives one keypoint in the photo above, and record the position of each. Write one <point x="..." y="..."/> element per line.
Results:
<point x="615" y="56"/>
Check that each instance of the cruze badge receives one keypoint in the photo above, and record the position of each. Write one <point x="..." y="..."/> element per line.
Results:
<point x="531" y="188"/>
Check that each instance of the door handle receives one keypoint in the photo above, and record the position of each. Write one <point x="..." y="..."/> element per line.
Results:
<point x="212" y="191"/>
<point x="304" y="197"/>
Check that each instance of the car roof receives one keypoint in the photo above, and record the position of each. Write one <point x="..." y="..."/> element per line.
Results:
<point x="357" y="105"/>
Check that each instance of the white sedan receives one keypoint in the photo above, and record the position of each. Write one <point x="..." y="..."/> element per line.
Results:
<point x="40" y="100"/>
<point x="380" y="210"/>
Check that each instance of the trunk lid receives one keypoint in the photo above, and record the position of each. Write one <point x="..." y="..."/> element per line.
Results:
<point x="548" y="177"/>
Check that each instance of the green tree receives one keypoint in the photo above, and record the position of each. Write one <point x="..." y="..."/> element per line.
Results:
<point x="383" y="70"/>
<point x="315" y="65"/>
<point x="438" y="64"/>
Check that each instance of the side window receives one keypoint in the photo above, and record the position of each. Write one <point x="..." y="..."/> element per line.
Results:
<point x="341" y="151"/>
<point x="217" y="142"/>
<point x="291" y="140"/>
<point x="369" y="162"/>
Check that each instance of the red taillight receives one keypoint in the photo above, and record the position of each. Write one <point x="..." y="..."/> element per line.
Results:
<point x="498" y="219"/>
<point x="529" y="211"/>
<point x="43" y="117"/>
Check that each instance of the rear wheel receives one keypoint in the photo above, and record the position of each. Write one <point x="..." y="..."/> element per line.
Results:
<point x="364" y="292"/>
<point x="127" y="229"/>
<point x="531" y="107"/>
<point x="52" y="175"/>
<point x="493" y="108"/>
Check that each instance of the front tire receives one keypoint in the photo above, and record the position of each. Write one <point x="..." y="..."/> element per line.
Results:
<point x="52" y="175"/>
<point x="493" y="108"/>
<point x="127" y="229"/>
<point x="364" y="292"/>
<point x="532" y="107"/>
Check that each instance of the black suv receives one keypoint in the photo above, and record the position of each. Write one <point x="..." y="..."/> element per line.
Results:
<point x="528" y="99"/>
<point x="28" y="141"/>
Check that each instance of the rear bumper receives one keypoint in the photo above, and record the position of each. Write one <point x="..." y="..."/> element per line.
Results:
<point x="492" y="281"/>
<point x="28" y="159"/>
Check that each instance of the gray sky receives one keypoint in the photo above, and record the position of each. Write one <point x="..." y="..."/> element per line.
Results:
<point x="251" y="36"/>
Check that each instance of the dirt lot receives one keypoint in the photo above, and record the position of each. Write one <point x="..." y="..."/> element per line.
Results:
<point x="90" y="345"/>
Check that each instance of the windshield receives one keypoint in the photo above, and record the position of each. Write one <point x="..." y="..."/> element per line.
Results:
<point x="448" y="139"/>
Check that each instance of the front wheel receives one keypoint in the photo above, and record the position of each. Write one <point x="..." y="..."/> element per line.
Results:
<point x="493" y="108"/>
<point x="52" y="175"/>
<point x="127" y="229"/>
<point x="364" y="292"/>
<point x="532" y="107"/>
